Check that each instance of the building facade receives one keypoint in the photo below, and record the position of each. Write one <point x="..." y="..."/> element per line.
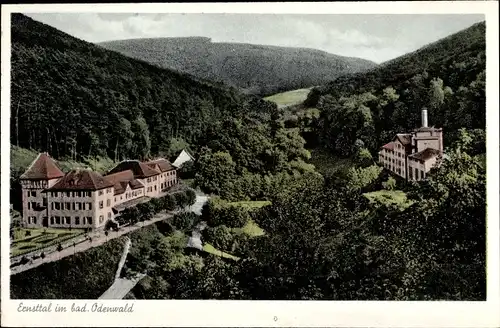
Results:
<point x="412" y="155"/>
<point x="83" y="198"/>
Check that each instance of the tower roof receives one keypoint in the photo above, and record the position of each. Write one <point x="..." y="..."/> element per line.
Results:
<point x="42" y="168"/>
<point x="82" y="180"/>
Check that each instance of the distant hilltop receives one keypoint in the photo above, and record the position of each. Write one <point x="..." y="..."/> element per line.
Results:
<point x="254" y="69"/>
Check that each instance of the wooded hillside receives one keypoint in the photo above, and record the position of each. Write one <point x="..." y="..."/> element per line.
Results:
<point x="447" y="77"/>
<point x="255" y="69"/>
<point x="72" y="99"/>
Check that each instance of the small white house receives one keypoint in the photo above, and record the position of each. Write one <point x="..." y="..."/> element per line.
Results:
<point x="183" y="157"/>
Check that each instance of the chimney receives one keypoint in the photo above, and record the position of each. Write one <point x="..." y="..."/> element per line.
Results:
<point x="424" y="118"/>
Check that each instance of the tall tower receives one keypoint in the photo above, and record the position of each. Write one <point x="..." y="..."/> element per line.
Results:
<point x="43" y="173"/>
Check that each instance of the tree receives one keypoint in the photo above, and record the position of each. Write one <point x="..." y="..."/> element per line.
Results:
<point x="168" y="202"/>
<point x="59" y="247"/>
<point x="181" y="199"/>
<point x="220" y="237"/>
<point x="145" y="210"/>
<point x="390" y="184"/>
<point x="184" y="221"/>
<point x="190" y="197"/>
<point x="215" y="171"/>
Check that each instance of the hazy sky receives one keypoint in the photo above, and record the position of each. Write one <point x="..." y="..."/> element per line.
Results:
<point x="375" y="37"/>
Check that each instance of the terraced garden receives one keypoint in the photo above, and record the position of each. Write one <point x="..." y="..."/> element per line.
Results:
<point x="28" y="240"/>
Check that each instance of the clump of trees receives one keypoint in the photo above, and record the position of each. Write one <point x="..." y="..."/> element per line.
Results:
<point x="218" y="212"/>
<point x="146" y="211"/>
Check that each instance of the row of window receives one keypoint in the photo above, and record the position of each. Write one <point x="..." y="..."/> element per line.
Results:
<point x="150" y="189"/>
<point x="68" y="220"/>
<point x="79" y="206"/>
<point x="133" y="194"/>
<point x="70" y="193"/>
<point x="167" y="184"/>
<point x="35" y="184"/>
<point x="108" y="191"/>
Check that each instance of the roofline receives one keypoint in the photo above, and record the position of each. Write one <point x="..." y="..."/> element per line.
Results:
<point x="75" y="189"/>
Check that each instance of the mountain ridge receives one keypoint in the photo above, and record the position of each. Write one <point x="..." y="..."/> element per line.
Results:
<point x="253" y="68"/>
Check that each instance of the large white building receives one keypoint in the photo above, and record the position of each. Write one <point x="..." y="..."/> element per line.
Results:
<point x="83" y="198"/>
<point x="412" y="155"/>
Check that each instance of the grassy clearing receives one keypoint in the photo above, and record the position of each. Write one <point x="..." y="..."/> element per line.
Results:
<point x="39" y="238"/>
<point x="391" y="197"/>
<point x="289" y="98"/>
<point x="252" y="229"/>
<point x="251" y="204"/>
<point x="212" y="250"/>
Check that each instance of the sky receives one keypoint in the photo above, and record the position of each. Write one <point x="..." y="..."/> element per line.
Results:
<point x="374" y="37"/>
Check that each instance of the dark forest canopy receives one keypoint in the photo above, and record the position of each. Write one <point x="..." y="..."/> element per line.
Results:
<point x="73" y="99"/>
<point x="446" y="77"/>
<point x="255" y="69"/>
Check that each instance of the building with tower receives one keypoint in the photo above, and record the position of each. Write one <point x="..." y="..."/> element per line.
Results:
<point x="412" y="155"/>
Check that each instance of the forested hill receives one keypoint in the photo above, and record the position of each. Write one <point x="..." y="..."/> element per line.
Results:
<point x="447" y="77"/>
<point x="255" y="69"/>
<point x="73" y="98"/>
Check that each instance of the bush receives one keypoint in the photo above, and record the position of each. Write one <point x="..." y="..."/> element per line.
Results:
<point x="27" y="233"/>
<point x="60" y="248"/>
<point x="168" y="203"/>
<point x="390" y="184"/>
<point x="221" y="237"/>
<point x="42" y="255"/>
<point x="190" y="197"/>
<point x="184" y="221"/>
<point x="181" y="199"/>
<point x="219" y="213"/>
<point x="24" y="260"/>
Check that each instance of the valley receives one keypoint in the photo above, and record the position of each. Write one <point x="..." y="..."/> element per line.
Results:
<point x="288" y="194"/>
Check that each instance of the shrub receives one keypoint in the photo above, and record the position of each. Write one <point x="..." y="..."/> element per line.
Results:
<point x="181" y="199"/>
<point x="220" y="237"/>
<point x="42" y="255"/>
<point x="190" y="197"/>
<point x="60" y="248"/>
<point x="168" y="203"/>
<point x="184" y="221"/>
<point x="27" y="233"/>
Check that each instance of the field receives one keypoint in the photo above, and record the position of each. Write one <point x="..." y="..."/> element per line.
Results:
<point x="38" y="238"/>
<point x="289" y="98"/>
<point x="390" y="197"/>
<point x="251" y="204"/>
<point x="212" y="250"/>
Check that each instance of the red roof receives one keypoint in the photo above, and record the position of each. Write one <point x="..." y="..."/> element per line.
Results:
<point x="162" y="163"/>
<point x="122" y="179"/>
<point x="81" y="180"/>
<point x="42" y="168"/>
<point x="389" y="146"/>
<point x="140" y="170"/>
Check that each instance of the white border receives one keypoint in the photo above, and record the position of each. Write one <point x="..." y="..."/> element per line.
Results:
<point x="262" y="313"/>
